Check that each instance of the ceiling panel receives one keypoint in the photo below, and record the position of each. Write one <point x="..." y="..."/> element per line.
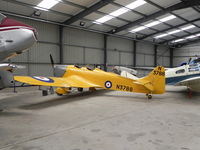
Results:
<point x="197" y="23"/>
<point x="68" y="9"/>
<point x="94" y="16"/>
<point x="161" y="27"/>
<point x="131" y="16"/>
<point x="147" y="31"/>
<point x="166" y="3"/>
<point x="116" y="22"/>
<point x="10" y="7"/>
<point x="188" y="13"/>
<point x="108" y="8"/>
<point x="147" y="9"/>
<point x="86" y="3"/>
<point x="35" y="2"/>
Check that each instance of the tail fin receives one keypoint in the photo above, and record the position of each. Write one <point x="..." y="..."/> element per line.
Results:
<point x="156" y="79"/>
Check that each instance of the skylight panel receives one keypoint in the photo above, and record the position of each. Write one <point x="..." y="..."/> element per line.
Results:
<point x="136" y="4"/>
<point x="188" y="27"/>
<point x="103" y="19"/>
<point x="175" y="31"/>
<point x="167" y="18"/>
<point x="179" y="40"/>
<point x="191" y="37"/>
<point x="120" y="11"/>
<point x="138" y="29"/>
<point x="47" y="4"/>
<point x="152" y="24"/>
<point x="162" y="35"/>
<point x="198" y="34"/>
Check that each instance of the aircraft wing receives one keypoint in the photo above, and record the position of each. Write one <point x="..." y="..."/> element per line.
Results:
<point x="188" y="82"/>
<point x="72" y="81"/>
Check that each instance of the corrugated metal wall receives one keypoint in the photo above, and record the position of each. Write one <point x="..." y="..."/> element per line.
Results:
<point x="83" y="47"/>
<point x="184" y="53"/>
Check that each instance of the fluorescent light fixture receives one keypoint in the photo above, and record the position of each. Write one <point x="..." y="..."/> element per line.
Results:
<point x="152" y="24"/>
<point x="103" y="19"/>
<point x="198" y="34"/>
<point x="47" y="4"/>
<point x="167" y="18"/>
<point x="188" y="27"/>
<point x="179" y="40"/>
<point x="136" y="4"/>
<point x="191" y="37"/>
<point x="162" y="35"/>
<point x="175" y="31"/>
<point x="138" y="29"/>
<point x="120" y="11"/>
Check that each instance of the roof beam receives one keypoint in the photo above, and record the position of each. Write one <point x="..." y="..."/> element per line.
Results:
<point x="174" y="27"/>
<point x="180" y="5"/>
<point x="87" y="11"/>
<point x="182" y="37"/>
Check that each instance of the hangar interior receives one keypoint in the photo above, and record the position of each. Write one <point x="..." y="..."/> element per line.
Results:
<point x="108" y="33"/>
<point x="113" y="42"/>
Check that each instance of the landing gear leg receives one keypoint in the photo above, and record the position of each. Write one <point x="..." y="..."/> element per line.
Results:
<point x="189" y="93"/>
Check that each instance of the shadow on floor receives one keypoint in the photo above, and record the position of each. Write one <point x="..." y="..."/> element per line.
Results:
<point x="54" y="101"/>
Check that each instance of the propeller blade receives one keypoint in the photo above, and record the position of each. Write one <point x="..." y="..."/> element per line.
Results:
<point x="52" y="61"/>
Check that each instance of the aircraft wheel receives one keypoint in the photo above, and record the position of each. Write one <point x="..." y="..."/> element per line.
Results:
<point x="149" y="96"/>
<point x="59" y="94"/>
<point x="80" y="89"/>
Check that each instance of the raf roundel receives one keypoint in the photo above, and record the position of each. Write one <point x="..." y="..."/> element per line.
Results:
<point x="44" y="79"/>
<point x="108" y="84"/>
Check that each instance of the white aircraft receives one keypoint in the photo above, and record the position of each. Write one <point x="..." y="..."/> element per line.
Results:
<point x="15" y="38"/>
<point x="188" y="74"/>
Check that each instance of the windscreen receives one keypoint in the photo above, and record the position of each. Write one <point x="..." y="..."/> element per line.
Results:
<point x="2" y="17"/>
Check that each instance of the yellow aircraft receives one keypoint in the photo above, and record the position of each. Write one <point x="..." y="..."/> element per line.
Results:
<point x="71" y="76"/>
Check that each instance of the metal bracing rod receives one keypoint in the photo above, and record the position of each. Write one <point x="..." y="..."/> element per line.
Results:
<point x="174" y="27"/>
<point x="87" y="11"/>
<point x="180" y="5"/>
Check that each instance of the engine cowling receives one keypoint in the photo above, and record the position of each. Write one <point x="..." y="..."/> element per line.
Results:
<point x="6" y="79"/>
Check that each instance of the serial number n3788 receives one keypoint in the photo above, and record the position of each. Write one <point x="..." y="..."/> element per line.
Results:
<point x="124" y="88"/>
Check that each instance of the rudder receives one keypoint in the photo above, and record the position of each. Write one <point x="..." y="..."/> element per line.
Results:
<point x="157" y="79"/>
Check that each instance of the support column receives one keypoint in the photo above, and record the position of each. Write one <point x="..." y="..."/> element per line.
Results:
<point x="105" y="52"/>
<point x="171" y="57"/>
<point x="155" y="55"/>
<point x="134" y="53"/>
<point x="61" y="43"/>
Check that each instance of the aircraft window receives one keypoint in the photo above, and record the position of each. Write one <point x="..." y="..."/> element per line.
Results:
<point x="197" y="60"/>
<point x="2" y="17"/>
<point x="180" y="71"/>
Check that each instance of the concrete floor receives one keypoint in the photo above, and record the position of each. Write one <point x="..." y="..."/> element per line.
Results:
<point x="102" y="120"/>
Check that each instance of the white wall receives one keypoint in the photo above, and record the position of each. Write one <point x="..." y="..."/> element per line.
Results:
<point x="184" y="53"/>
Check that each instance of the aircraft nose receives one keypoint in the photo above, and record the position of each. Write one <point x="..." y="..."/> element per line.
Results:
<point x="9" y="24"/>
